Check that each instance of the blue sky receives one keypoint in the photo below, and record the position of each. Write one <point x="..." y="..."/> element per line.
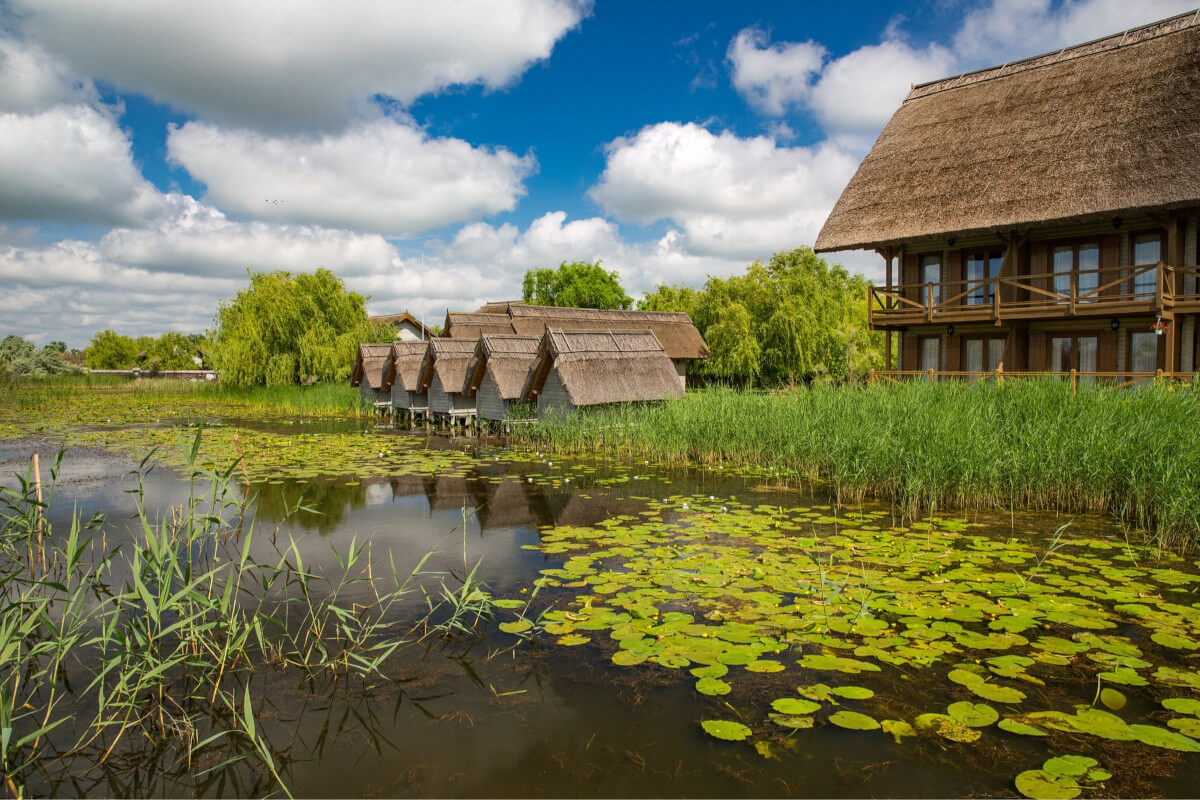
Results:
<point x="429" y="154"/>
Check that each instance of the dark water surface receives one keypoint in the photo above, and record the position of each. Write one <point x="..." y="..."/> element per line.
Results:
<point x="480" y="717"/>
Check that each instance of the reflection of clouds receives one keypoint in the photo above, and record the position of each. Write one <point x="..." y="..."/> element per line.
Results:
<point x="378" y="494"/>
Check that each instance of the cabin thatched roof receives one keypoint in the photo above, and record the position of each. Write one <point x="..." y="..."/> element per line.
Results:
<point x="448" y="359"/>
<point x="370" y="364"/>
<point x="674" y="329"/>
<point x="405" y="365"/>
<point x="464" y="325"/>
<point x="506" y="359"/>
<point x="396" y="320"/>
<point x="1094" y="131"/>
<point x="598" y="367"/>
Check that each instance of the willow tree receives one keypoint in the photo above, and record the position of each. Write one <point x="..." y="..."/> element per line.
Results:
<point x="284" y="329"/>
<point x="580" y="284"/>
<point x="794" y="319"/>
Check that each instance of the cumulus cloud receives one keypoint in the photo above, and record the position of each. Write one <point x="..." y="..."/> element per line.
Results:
<point x="730" y="196"/>
<point x="266" y="66"/>
<point x="382" y="175"/>
<point x="32" y="80"/>
<point x="70" y="163"/>
<point x="773" y="77"/>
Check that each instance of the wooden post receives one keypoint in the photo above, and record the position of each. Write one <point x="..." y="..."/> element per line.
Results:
<point x="887" y="350"/>
<point x="931" y="377"/>
<point x="1000" y="373"/>
<point x="1074" y="382"/>
<point x="1074" y="289"/>
<point x="871" y="373"/>
<point x="1158" y="377"/>
<point x="929" y="302"/>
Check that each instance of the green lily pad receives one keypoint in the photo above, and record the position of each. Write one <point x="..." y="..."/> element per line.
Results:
<point x="791" y="721"/>
<point x="1173" y="641"/>
<point x="764" y="665"/>
<point x="1112" y="698"/>
<point x="1070" y="766"/>
<point x="897" y="728"/>
<point x="1103" y="724"/>
<point x="973" y="715"/>
<point x="852" y="720"/>
<point x="725" y="729"/>
<point x="573" y="639"/>
<point x="1188" y="726"/>
<point x="1182" y="705"/>
<point x="627" y="658"/>
<point x="947" y="727"/>
<point x="508" y="603"/>
<point x="853" y="692"/>
<point x="1161" y="737"/>
<point x="1020" y="728"/>
<point x="712" y="686"/>
<point x="794" y="706"/>
<point x="516" y="626"/>
<point x="1041" y="785"/>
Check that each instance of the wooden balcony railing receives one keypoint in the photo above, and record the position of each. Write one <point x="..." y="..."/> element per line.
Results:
<point x="999" y="376"/>
<point x="1153" y="288"/>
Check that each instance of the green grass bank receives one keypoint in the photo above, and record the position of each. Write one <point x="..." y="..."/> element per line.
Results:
<point x="1134" y="453"/>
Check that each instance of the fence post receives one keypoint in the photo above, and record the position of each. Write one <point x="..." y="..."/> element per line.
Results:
<point x="1158" y="377"/>
<point x="870" y="376"/>
<point x="930" y="377"/>
<point x="1074" y="381"/>
<point x="1000" y="374"/>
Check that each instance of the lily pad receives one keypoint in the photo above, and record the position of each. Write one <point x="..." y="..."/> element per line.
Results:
<point x="712" y="686"/>
<point x="1070" y="766"/>
<point x="516" y="626"/>
<point x="573" y="639"/>
<point x="973" y="715"/>
<point x="791" y="721"/>
<point x="1041" y="785"/>
<point x="1161" y="737"/>
<point x="1112" y="698"/>
<point x="725" y="729"/>
<point x="1020" y="728"/>
<point x="794" y="706"/>
<point x="897" y="728"/>
<point x="853" y="692"/>
<point x="852" y="720"/>
<point x="1182" y="705"/>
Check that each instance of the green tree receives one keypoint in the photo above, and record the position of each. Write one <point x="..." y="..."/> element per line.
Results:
<point x="111" y="350"/>
<point x="578" y="283"/>
<point x="285" y="329"/>
<point x="794" y="319"/>
<point x="21" y="357"/>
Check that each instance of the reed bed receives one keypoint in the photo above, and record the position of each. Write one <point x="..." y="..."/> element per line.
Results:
<point x="1133" y="453"/>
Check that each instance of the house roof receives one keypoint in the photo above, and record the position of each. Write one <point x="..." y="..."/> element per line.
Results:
<point x="604" y="367"/>
<point x="370" y="363"/>
<point x="405" y="365"/>
<point x="1101" y="129"/>
<point x="448" y="359"/>
<point x="506" y="359"/>
<point x="404" y="316"/>
<point x="468" y="325"/>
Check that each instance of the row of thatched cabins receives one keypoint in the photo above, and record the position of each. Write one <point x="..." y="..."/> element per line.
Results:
<point x="559" y="360"/>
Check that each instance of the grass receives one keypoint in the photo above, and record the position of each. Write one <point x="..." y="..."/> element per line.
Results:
<point x="144" y="653"/>
<point x="322" y="399"/>
<point x="1131" y="453"/>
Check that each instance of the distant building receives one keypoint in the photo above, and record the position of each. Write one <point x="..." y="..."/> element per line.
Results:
<point x="1041" y="214"/>
<point x="408" y="328"/>
<point x="443" y="375"/>
<point x="369" y="366"/>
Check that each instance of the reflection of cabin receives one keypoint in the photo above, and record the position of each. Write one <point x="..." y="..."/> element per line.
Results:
<point x="402" y="376"/>
<point x="497" y="371"/>
<point x="1040" y="215"/>
<point x="443" y="375"/>
<point x="408" y="328"/>
<point x="514" y="503"/>
<point x="676" y="333"/>
<point x="369" y="367"/>
<point x="580" y="369"/>
<point x="449" y="493"/>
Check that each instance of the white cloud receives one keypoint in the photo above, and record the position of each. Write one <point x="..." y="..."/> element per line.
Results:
<point x="32" y="80"/>
<point x="773" y="77"/>
<point x="1005" y="30"/>
<point x="384" y="175"/>
<point x="70" y="164"/>
<point x="731" y="197"/>
<point x="306" y="63"/>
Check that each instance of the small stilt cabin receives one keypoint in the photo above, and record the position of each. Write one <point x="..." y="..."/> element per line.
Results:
<point x="443" y="375"/>
<point x="369" y="367"/>
<point x="575" y="370"/>
<point x="497" y="371"/>
<point x="401" y="378"/>
<point x="1040" y="216"/>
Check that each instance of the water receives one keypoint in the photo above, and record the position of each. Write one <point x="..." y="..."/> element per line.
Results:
<point x="488" y="716"/>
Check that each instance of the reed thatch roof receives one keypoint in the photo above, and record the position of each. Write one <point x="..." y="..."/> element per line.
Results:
<point x="605" y="366"/>
<point x="506" y="359"/>
<point x="674" y="329"/>
<point x="397" y="319"/>
<point x="405" y="365"/>
<point x="1103" y="129"/>
<point x="463" y="325"/>
<point x="448" y="359"/>
<point x="370" y="363"/>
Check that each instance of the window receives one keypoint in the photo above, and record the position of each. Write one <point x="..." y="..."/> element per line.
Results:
<point x="931" y="272"/>
<point x="981" y="267"/>
<point x="1147" y="249"/>
<point x="931" y="352"/>
<point x="1143" y="351"/>
<point x="983" y="354"/>
<point x="1084" y="260"/>
<point x="1074" y="352"/>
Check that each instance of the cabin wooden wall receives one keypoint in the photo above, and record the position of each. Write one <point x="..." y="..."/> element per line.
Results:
<point x="488" y="402"/>
<point x="553" y="396"/>
<point x="439" y="400"/>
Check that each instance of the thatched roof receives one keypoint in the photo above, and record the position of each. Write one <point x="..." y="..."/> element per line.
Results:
<point x="370" y="363"/>
<point x="604" y="367"/>
<point x="506" y="359"/>
<point x="448" y="359"/>
<point x="495" y="307"/>
<point x="396" y="320"/>
<point x="1100" y="130"/>
<point x="462" y="325"/>
<point x="674" y="329"/>
<point x="405" y="365"/>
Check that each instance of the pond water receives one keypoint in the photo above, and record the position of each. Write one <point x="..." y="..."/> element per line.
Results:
<point x="687" y="632"/>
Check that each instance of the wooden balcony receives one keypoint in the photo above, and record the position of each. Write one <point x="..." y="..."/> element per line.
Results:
<point x="1153" y="289"/>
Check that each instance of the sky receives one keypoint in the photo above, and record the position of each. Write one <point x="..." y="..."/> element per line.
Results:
<point x="152" y="153"/>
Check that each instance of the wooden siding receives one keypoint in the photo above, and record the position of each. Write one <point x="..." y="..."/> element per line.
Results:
<point x="490" y="404"/>
<point x="439" y="401"/>
<point x="401" y="398"/>
<point x="553" y="396"/>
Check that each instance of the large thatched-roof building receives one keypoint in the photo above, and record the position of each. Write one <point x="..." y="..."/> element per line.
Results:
<point x="580" y="369"/>
<point x="1041" y="214"/>
<point x="401" y="378"/>
<point x="370" y="363"/>
<point x="497" y="371"/>
<point x="443" y="375"/>
<point x="676" y="333"/>
<point x="407" y="327"/>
